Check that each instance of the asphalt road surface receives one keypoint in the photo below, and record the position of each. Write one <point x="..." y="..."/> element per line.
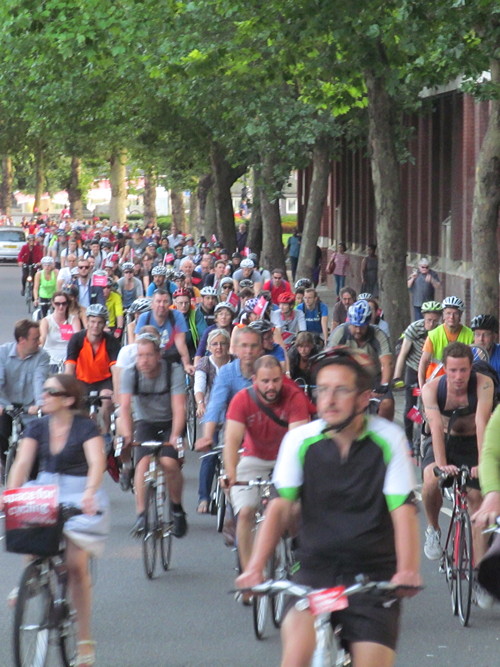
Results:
<point x="186" y="617"/>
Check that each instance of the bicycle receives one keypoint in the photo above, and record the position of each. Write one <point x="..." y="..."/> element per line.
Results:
<point x="217" y="502"/>
<point x="190" y="412"/>
<point x="457" y="561"/>
<point x="329" y="651"/>
<point x="15" y="412"/>
<point x="157" y="529"/>
<point x="43" y="613"/>
<point x="277" y="567"/>
<point x="28" y="290"/>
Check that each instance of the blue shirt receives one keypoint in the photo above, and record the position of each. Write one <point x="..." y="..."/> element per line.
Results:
<point x="313" y="317"/>
<point x="228" y="382"/>
<point x="152" y="287"/>
<point x="278" y="352"/>
<point x="495" y="358"/>
<point x="167" y="332"/>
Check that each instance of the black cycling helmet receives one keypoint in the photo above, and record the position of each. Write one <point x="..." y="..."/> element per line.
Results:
<point x="262" y="326"/>
<point x="488" y="322"/>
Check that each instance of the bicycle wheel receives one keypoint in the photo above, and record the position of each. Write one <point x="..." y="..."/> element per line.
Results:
<point x="260" y="609"/>
<point x="464" y="569"/>
<point x="279" y="571"/>
<point x="9" y="460"/>
<point x="166" y="539"/>
<point x="32" y="618"/>
<point x="67" y="631"/>
<point x="190" y="418"/>
<point x="221" y="507"/>
<point x="447" y="566"/>
<point x="150" y="531"/>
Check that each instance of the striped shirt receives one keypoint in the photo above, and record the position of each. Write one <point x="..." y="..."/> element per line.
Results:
<point x="417" y="333"/>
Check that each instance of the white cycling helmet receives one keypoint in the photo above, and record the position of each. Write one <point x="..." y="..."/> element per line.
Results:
<point x="247" y="264"/>
<point x="127" y="266"/>
<point x="96" y="310"/>
<point x="359" y="313"/>
<point x="159" y="271"/>
<point x="453" y="302"/>
<point x="47" y="260"/>
<point x="208" y="291"/>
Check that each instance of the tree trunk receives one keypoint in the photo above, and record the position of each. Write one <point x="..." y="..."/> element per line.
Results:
<point x="223" y="177"/>
<point x="194" y="214"/>
<point x="178" y="214"/>
<point x="485" y="212"/>
<point x="254" y="239"/>
<point x="149" y="198"/>
<point x="6" y="188"/>
<point x="391" y="233"/>
<point x="210" y="222"/>
<point x="74" y="190"/>
<point x="39" y="178"/>
<point x="118" y="182"/>
<point x="272" y="243"/>
<point x="315" y="207"/>
<point x="202" y="191"/>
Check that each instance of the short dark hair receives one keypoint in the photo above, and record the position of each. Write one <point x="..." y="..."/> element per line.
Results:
<point x="160" y="292"/>
<point x="457" y="350"/>
<point x="22" y="328"/>
<point x="348" y="290"/>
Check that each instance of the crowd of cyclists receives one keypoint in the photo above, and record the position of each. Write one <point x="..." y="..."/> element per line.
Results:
<point x="288" y="389"/>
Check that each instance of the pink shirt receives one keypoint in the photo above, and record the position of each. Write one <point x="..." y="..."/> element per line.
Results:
<point x="341" y="263"/>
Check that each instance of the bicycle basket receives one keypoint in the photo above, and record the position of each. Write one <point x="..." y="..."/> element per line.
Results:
<point x="33" y="521"/>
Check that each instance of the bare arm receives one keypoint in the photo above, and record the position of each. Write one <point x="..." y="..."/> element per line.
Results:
<point x="406" y="537"/>
<point x="235" y="432"/>
<point x="425" y="360"/>
<point x="178" y="416"/>
<point x="23" y="463"/>
<point x="44" y="329"/>
<point x="485" y="391"/>
<point x="401" y="360"/>
<point x="324" y="327"/>
<point x="125" y="421"/>
<point x="386" y="367"/>
<point x="96" y="461"/>
<point x="435" y="421"/>
<point x="180" y="344"/>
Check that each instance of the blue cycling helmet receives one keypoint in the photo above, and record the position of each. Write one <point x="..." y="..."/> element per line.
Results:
<point x="359" y="313"/>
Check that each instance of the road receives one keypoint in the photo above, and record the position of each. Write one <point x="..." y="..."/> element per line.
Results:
<point x="187" y="618"/>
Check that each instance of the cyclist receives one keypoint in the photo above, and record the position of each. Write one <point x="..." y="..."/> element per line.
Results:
<point x="209" y="298"/>
<point x="248" y="271"/>
<point x="485" y="328"/>
<point x="257" y="419"/>
<point x="287" y="319"/>
<point x="130" y="288"/>
<point x="71" y="455"/>
<point x="269" y="346"/>
<point x="408" y="359"/>
<point x="114" y="306"/>
<point x="346" y="298"/>
<point x="457" y="407"/>
<point x="45" y="284"/>
<point x="159" y="275"/>
<point x="30" y="253"/>
<point x="24" y="367"/>
<point x="91" y="357"/>
<point x="153" y="407"/>
<point x="277" y="285"/>
<point x="171" y="326"/>
<point x="358" y="333"/>
<point x="315" y="313"/>
<point x="195" y="322"/>
<point x="451" y="330"/>
<point x="355" y="481"/>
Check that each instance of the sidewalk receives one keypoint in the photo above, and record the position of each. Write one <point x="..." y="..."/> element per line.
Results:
<point x="327" y="296"/>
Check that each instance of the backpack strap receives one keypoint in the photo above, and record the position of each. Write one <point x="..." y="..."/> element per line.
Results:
<point x="265" y="409"/>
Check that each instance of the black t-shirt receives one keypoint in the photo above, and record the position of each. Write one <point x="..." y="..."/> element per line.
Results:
<point x="71" y="459"/>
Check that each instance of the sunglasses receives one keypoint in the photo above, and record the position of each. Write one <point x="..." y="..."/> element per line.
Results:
<point x="60" y="303"/>
<point x="84" y="267"/>
<point x="52" y="391"/>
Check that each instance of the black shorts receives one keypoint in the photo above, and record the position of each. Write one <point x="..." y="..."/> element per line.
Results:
<point x="364" y="620"/>
<point x="461" y="450"/>
<point x="160" y="431"/>
<point x="96" y="386"/>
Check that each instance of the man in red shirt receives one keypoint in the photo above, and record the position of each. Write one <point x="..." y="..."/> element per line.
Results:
<point x="30" y="253"/>
<point x="258" y="417"/>
<point x="277" y="285"/>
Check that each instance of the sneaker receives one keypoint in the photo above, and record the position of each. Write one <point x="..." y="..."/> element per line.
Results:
<point x="432" y="547"/>
<point x="126" y="474"/>
<point x="483" y="599"/>
<point x="139" y="525"/>
<point x="180" y="527"/>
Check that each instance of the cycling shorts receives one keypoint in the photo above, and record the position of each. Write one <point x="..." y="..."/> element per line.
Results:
<point x="461" y="450"/>
<point x="364" y="620"/>
<point x="96" y="386"/>
<point x="160" y="431"/>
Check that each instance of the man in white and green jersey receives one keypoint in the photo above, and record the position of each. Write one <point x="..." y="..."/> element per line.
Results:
<point x="355" y="482"/>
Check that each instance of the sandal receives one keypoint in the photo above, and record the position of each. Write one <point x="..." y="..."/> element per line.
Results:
<point x="202" y="507"/>
<point x="85" y="659"/>
<point x="12" y="597"/>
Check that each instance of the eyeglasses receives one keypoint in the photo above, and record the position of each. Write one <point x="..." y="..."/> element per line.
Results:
<point x="60" y="303"/>
<point x="324" y="391"/>
<point x="217" y="344"/>
<point x="128" y="271"/>
<point x="52" y="391"/>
